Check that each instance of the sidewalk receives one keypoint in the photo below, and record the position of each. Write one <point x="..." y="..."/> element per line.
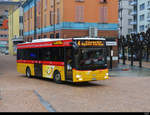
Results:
<point x="129" y="71"/>
<point x="136" y="63"/>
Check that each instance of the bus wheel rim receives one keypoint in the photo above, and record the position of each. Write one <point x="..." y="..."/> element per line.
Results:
<point x="57" y="77"/>
<point x="28" y="73"/>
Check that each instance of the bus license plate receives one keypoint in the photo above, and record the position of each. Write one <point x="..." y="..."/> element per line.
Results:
<point x="94" y="79"/>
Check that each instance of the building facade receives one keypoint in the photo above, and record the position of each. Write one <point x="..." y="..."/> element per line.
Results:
<point x="71" y="18"/>
<point x="15" y="19"/>
<point x="134" y="22"/>
<point x="141" y="16"/>
<point x="4" y="32"/>
<point x="4" y="41"/>
<point x="125" y="17"/>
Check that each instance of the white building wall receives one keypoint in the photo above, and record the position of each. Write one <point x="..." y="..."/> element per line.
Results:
<point x="125" y="17"/>
<point x="143" y="23"/>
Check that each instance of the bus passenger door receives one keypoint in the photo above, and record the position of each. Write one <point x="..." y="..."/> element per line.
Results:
<point x="38" y="69"/>
<point x="38" y="66"/>
<point x="68" y="64"/>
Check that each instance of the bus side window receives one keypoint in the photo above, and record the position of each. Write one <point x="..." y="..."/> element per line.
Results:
<point x="57" y="54"/>
<point x="18" y="54"/>
<point x="45" y="54"/>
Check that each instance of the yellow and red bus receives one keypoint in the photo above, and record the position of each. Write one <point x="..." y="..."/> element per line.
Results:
<point x="72" y="59"/>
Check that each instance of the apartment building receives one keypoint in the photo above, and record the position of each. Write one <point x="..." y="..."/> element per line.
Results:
<point x="125" y="17"/>
<point x="141" y="18"/>
<point x="143" y="15"/>
<point x="4" y="32"/>
<point x="15" y="22"/>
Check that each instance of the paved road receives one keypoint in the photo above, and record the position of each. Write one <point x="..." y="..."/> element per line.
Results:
<point x="119" y="94"/>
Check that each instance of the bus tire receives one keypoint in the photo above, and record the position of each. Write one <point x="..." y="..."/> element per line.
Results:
<point x="57" y="77"/>
<point x="28" y="72"/>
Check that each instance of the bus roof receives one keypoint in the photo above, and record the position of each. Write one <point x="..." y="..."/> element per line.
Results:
<point x="61" y="39"/>
<point x="89" y="39"/>
<point x="47" y="42"/>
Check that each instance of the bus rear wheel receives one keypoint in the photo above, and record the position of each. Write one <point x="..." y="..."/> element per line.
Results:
<point x="28" y="73"/>
<point x="57" y="77"/>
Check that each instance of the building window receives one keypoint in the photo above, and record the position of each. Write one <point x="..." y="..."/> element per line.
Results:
<point x="129" y="2"/>
<point x="45" y="20"/>
<point x="31" y="13"/>
<point x="129" y="21"/>
<point x="58" y="16"/>
<point x="142" y="17"/>
<point x="142" y="28"/>
<point x="129" y="31"/>
<point x="57" y="35"/>
<point x="21" y="19"/>
<point x="52" y="3"/>
<point x="51" y="17"/>
<point x="103" y="1"/>
<point x="103" y="14"/>
<point x="129" y="11"/>
<point x="20" y="32"/>
<point x="79" y="13"/>
<point x="45" y="4"/>
<point x="45" y="36"/>
<point x="38" y="7"/>
<point x="148" y="3"/>
<point x="79" y="0"/>
<point x="142" y="6"/>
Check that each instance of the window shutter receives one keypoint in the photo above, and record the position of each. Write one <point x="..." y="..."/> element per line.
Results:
<point x="103" y="14"/>
<point x="79" y="13"/>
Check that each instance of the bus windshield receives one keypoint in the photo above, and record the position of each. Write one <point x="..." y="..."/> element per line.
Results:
<point x="91" y="58"/>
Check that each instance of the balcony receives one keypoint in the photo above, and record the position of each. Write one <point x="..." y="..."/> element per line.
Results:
<point x="133" y="3"/>
<point x="133" y="32"/>
<point x="148" y="18"/>
<point x="133" y="13"/>
<point x="148" y="7"/>
<point x="134" y="22"/>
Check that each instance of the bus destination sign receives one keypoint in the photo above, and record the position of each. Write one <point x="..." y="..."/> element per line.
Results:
<point x="58" y="43"/>
<point x="90" y="43"/>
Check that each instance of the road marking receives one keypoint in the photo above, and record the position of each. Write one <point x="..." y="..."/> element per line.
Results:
<point x="0" y="95"/>
<point x="48" y="107"/>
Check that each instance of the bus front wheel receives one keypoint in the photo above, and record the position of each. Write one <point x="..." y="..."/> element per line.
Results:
<point x="57" y="77"/>
<point x="28" y="72"/>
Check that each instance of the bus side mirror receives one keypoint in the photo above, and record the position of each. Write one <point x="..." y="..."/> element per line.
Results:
<point x="75" y="46"/>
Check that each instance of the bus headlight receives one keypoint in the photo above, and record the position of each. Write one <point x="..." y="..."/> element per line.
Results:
<point x="106" y="77"/>
<point x="80" y="79"/>
<point x="107" y="74"/>
<point x="78" y="76"/>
